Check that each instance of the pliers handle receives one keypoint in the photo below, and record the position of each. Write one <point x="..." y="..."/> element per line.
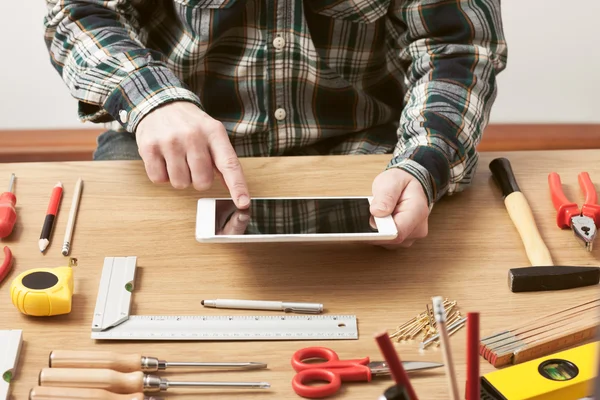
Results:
<point x="566" y="209"/>
<point x="6" y="264"/>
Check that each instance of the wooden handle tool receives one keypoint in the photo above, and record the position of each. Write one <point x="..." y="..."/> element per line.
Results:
<point x="130" y="362"/>
<point x="63" y="393"/>
<point x="545" y="276"/>
<point x="126" y="382"/>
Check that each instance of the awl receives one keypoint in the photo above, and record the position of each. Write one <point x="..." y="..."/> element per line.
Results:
<point x="132" y="362"/>
<point x="63" y="393"/>
<point x="543" y="275"/>
<point x="126" y="382"/>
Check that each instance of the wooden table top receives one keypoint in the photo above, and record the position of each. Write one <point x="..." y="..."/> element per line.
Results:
<point x="471" y="245"/>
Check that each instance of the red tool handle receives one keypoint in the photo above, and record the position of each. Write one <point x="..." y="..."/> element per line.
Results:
<point x="590" y="208"/>
<point x="332" y="377"/>
<point x="565" y="209"/>
<point x="6" y="264"/>
<point x="8" y="213"/>
<point x="332" y="361"/>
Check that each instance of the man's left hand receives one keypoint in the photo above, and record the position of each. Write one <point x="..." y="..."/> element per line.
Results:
<point x="400" y="194"/>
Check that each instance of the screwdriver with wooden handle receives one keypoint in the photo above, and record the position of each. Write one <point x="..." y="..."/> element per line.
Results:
<point x="131" y="362"/>
<point x="63" y="393"/>
<point x="543" y="275"/>
<point x="126" y="382"/>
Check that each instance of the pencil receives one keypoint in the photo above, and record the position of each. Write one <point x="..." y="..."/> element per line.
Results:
<point x="440" y="319"/>
<point x="72" y="217"/>
<point x="50" y="216"/>
<point x="393" y="361"/>
<point x="473" y="390"/>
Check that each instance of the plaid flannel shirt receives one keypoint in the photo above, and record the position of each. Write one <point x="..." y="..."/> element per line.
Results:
<point x="414" y="78"/>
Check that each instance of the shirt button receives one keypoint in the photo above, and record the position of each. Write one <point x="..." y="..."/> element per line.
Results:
<point x="279" y="43"/>
<point x="123" y="116"/>
<point x="280" y="114"/>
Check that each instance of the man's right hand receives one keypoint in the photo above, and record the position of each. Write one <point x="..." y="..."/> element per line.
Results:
<point x="180" y="144"/>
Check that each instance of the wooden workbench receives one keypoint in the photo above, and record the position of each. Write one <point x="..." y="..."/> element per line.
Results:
<point x="471" y="245"/>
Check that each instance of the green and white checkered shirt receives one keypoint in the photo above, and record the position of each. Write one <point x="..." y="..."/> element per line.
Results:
<point x="415" y="79"/>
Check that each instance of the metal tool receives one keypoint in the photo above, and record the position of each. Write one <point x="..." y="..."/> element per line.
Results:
<point x="64" y="393"/>
<point x="333" y="371"/>
<point x="8" y="212"/>
<point x="44" y="292"/>
<point x="124" y="383"/>
<point x="544" y="275"/>
<point x="112" y="319"/>
<point x="583" y="221"/>
<point x="131" y="362"/>
<point x="11" y="342"/>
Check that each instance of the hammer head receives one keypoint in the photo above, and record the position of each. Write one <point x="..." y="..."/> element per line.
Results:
<point x="537" y="279"/>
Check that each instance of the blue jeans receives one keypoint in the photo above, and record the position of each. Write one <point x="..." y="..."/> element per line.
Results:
<point x="113" y="145"/>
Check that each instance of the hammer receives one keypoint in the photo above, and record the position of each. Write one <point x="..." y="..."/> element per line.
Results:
<point x="543" y="275"/>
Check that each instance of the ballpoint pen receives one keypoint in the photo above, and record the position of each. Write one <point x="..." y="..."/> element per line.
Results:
<point x="307" y="308"/>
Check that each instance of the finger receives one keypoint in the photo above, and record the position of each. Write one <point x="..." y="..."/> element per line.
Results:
<point x="227" y="162"/>
<point x="156" y="169"/>
<point x="237" y="224"/>
<point x="179" y="172"/>
<point x="410" y="213"/>
<point x="201" y="168"/>
<point x="224" y="211"/>
<point x="387" y="189"/>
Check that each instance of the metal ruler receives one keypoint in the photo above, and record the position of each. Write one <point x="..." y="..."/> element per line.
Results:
<point x="10" y="348"/>
<point x="112" y="319"/>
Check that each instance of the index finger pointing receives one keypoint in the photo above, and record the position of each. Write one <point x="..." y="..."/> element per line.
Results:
<point x="227" y="162"/>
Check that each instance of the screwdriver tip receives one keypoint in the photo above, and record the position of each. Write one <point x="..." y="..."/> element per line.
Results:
<point x="256" y="365"/>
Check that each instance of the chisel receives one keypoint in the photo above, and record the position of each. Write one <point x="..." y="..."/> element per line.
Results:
<point x="126" y="382"/>
<point x="131" y="362"/>
<point x="63" y="393"/>
<point x="543" y="275"/>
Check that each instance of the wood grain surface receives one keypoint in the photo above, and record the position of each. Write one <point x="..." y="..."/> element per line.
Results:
<point x="471" y="245"/>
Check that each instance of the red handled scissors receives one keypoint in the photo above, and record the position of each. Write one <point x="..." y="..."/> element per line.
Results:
<point x="335" y="371"/>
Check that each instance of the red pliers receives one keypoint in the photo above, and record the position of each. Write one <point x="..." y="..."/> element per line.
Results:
<point x="585" y="221"/>
<point x="6" y="264"/>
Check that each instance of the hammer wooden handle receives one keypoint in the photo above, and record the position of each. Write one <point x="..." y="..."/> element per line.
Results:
<point x="63" y="393"/>
<point x="113" y="381"/>
<point x="520" y="213"/>
<point x="95" y="359"/>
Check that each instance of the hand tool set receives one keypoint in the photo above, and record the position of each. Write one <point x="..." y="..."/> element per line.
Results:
<point x="112" y="375"/>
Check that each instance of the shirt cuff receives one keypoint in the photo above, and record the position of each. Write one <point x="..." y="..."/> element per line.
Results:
<point x="429" y="167"/>
<point x="143" y="90"/>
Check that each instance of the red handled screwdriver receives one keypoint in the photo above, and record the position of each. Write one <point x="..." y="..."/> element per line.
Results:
<point x="8" y="213"/>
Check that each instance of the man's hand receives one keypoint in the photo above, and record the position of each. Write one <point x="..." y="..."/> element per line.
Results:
<point x="398" y="193"/>
<point x="181" y="144"/>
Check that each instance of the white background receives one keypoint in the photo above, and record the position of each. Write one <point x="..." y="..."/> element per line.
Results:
<point x="553" y="73"/>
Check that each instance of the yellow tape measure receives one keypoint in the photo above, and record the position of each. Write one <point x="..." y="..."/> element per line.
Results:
<point x="44" y="292"/>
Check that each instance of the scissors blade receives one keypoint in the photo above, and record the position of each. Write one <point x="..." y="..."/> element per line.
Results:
<point x="420" y="365"/>
<point x="379" y="368"/>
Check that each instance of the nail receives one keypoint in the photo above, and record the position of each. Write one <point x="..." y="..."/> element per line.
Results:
<point x="381" y="207"/>
<point x="243" y="217"/>
<point x="243" y="200"/>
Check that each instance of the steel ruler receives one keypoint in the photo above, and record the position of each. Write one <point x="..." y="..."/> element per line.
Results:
<point x="112" y="319"/>
<point x="10" y="348"/>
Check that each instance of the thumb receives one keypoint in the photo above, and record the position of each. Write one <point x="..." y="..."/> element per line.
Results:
<point x="387" y="189"/>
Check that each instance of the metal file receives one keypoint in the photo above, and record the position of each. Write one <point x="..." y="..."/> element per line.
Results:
<point x="112" y="319"/>
<point x="11" y="342"/>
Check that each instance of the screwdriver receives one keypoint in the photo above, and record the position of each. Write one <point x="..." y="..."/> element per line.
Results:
<point x="129" y="362"/>
<point x="63" y="393"/>
<point x="126" y="382"/>
<point x="8" y="213"/>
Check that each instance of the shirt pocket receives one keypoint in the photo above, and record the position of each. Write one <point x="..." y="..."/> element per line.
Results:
<point x="361" y="11"/>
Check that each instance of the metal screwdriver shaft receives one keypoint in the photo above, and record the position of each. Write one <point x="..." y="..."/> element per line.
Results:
<point x="11" y="184"/>
<point x="124" y="383"/>
<point x="132" y="362"/>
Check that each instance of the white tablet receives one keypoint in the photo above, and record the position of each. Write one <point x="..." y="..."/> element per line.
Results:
<point x="285" y="219"/>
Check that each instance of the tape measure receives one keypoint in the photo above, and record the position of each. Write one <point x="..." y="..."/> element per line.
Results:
<point x="44" y="292"/>
<point x="564" y="375"/>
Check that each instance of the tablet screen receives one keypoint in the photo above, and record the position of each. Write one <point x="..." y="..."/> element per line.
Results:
<point x="294" y="216"/>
